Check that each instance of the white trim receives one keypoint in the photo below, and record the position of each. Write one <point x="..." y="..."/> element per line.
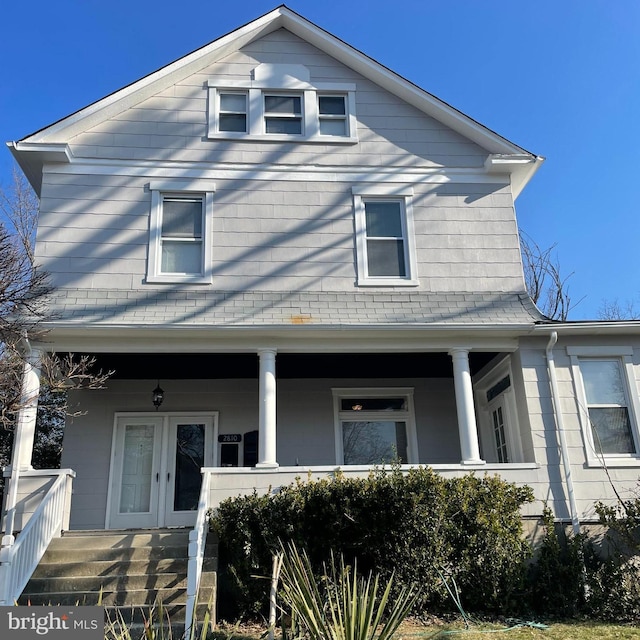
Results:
<point x="600" y="351"/>
<point x="183" y="186"/>
<point x="408" y="416"/>
<point x="484" y="408"/>
<point x="392" y="193"/>
<point x="167" y="170"/>
<point x="622" y="355"/>
<point x="279" y="79"/>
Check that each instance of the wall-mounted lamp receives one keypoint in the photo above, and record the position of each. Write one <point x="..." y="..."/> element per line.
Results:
<point x="158" y="396"/>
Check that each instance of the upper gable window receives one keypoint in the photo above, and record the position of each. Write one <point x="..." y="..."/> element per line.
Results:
<point x="332" y="112"/>
<point x="283" y="114"/>
<point x="384" y="235"/>
<point x="179" y="242"/>
<point x="280" y="103"/>
<point x="232" y="112"/>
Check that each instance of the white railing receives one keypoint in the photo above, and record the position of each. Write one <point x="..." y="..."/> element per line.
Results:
<point x="197" y="543"/>
<point x="19" y="557"/>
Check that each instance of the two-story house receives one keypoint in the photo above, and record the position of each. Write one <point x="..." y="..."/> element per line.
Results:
<point x="295" y="260"/>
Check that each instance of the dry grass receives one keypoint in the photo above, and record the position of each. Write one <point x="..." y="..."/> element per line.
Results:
<point x="443" y="630"/>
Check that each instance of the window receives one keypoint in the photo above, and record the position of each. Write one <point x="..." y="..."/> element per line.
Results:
<point x="181" y="235"/>
<point x="179" y="245"/>
<point x="608" y="402"/>
<point x="374" y="426"/>
<point x="232" y="112"/>
<point x="283" y="114"/>
<point x="279" y="103"/>
<point x="384" y="236"/>
<point x="332" y="113"/>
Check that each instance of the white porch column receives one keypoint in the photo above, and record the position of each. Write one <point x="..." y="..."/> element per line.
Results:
<point x="23" y="436"/>
<point x="267" y="417"/>
<point x="464" y="403"/>
<point x="26" y="421"/>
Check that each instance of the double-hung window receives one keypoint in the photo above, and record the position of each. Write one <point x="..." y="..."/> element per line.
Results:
<point x="385" y="243"/>
<point x="179" y="243"/>
<point x="232" y="111"/>
<point x="374" y="426"/>
<point x="332" y="115"/>
<point x="280" y="103"/>
<point x="608" y="402"/>
<point x="283" y="114"/>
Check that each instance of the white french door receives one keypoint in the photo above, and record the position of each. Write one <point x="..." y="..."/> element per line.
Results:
<point x="155" y="468"/>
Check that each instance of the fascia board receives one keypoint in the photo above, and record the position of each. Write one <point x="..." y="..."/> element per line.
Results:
<point x="32" y="156"/>
<point x="594" y="328"/>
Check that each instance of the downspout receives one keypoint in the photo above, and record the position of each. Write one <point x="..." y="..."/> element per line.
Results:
<point x="12" y="495"/>
<point x="557" y="410"/>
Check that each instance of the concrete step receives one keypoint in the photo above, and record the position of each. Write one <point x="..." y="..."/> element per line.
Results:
<point x="135" y="598"/>
<point x="122" y="582"/>
<point x="127" y="571"/>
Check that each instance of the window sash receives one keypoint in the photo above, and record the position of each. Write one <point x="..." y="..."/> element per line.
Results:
<point x="608" y="407"/>
<point x="232" y="112"/>
<point x="332" y="115"/>
<point x="283" y="114"/>
<point x="385" y="232"/>
<point x="181" y="240"/>
<point x="369" y="442"/>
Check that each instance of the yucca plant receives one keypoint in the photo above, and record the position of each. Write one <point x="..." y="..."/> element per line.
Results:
<point x="345" y="606"/>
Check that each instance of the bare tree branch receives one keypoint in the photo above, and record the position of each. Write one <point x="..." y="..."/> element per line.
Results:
<point x="544" y="280"/>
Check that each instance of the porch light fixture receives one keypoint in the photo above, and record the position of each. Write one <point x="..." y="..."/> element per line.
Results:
<point x="158" y="396"/>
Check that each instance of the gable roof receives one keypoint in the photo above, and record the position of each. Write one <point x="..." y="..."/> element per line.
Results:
<point x="50" y="143"/>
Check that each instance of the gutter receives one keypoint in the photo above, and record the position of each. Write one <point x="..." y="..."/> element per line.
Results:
<point x="557" y="410"/>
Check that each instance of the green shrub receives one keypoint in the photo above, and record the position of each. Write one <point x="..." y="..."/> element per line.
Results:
<point x="557" y="578"/>
<point x="417" y="526"/>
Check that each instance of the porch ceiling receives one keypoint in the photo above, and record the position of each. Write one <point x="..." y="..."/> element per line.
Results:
<point x="191" y="366"/>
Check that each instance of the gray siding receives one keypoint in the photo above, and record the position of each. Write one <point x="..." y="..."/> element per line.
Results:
<point x="172" y="124"/>
<point x="276" y="236"/>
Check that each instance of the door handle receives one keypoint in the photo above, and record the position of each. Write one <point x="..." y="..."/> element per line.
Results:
<point x="168" y="476"/>
<point x="157" y="477"/>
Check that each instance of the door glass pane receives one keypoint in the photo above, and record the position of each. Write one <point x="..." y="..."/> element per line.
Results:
<point x="374" y="442"/>
<point x="189" y="462"/>
<point x="137" y="468"/>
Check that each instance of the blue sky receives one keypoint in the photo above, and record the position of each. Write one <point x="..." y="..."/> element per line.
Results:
<point x="560" y="78"/>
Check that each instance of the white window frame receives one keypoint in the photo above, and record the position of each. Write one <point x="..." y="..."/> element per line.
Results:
<point x="218" y="110"/>
<point x="393" y="193"/>
<point x="407" y="416"/>
<point x="284" y="79"/>
<point x="507" y="400"/>
<point x="624" y="355"/>
<point x="159" y="190"/>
